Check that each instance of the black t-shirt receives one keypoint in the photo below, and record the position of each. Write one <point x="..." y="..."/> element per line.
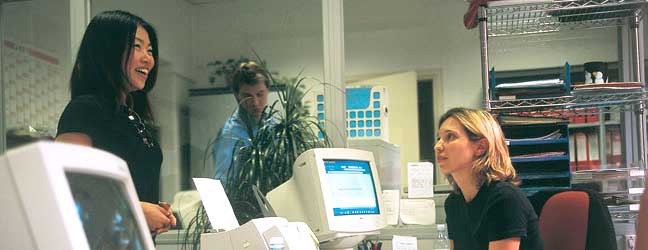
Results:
<point x="498" y="211"/>
<point x="111" y="130"/>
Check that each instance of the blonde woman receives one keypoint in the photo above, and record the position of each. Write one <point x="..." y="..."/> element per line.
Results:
<point x="486" y="210"/>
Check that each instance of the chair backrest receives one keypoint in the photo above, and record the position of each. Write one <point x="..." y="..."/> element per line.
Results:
<point x="564" y="219"/>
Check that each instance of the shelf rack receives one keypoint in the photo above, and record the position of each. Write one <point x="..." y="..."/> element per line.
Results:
<point x="533" y="16"/>
<point x="620" y="212"/>
<point x="525" y="17"/>
<point x="615" y="101"/>
<point x="528" y="17"/>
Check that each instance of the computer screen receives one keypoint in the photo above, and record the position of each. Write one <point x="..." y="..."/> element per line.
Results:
<point x="108" y="223"/>
<point x="336" y="192"/>
<point x="351" y="185"/>
<point x="63" y="196"/>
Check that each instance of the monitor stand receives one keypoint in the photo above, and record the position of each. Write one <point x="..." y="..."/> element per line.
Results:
<point x="342" y="243"/>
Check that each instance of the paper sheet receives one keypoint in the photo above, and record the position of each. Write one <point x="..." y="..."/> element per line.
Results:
<point x="391" y="203"/>
<point x="420" y="180"/>
<point x="404" y="243"/>
<point x="418" y="211"/>
<point x="218" y="208"/>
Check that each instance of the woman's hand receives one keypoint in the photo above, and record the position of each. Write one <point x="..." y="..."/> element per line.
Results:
<point x="156" y="218"/>
<point x="169" y="212"/>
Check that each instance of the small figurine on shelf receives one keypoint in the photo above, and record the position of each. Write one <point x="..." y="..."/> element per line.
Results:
<point x="595" y="72"/>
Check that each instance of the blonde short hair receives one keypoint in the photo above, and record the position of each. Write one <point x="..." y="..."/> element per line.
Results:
<point x="495" y="163"/>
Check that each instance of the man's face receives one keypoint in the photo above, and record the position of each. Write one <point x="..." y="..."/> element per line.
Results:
<point x="253" y="98"/>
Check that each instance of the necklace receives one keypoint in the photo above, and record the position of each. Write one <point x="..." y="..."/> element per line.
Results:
<point x="140" y="128"/>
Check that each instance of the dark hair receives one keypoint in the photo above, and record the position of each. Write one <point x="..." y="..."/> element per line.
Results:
<point x="104" y="50"/>
<point x="249" y="73"/>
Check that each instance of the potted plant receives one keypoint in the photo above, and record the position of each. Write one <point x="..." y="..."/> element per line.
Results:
<point x="268" y="162"/>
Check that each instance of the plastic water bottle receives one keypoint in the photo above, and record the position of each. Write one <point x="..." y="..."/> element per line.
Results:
<point x="276" y="243"/>
<point x="441" y="242"/>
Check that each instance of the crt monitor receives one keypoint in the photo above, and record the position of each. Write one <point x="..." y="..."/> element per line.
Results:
<point x="63" y="196"/>
<point x="336" y="191"/>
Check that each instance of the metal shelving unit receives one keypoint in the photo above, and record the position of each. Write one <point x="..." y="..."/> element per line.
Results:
<point x="527" y="17"/>
<point x="622" y="185"/>
<point x="533" y="16"/>
<point x="524" y="17"/>
<point x="616" y="102"/>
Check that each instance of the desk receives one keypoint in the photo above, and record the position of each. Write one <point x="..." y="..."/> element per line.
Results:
<point x="425" y="236"/>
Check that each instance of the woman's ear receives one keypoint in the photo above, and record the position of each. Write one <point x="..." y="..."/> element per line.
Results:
<point x="482" y="147"/>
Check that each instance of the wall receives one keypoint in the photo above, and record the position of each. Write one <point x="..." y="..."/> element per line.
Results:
<point x="285" y="33"/>
<point x="35" y="70"/>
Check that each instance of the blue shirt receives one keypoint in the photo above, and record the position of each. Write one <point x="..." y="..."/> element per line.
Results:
<point x="231" y="138"/>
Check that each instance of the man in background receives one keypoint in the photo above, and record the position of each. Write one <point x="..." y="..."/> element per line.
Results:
<point x="250" y="83"/>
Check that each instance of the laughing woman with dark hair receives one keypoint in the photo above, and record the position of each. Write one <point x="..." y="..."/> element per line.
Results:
<point x="114" y="70"/>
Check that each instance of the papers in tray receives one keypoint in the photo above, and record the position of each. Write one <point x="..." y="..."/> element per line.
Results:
<point x="553" y="135"/>
<point x="537" y="155"/>
<point x="601" y="88"/>
<point x="515" y="2"/>
<point x="523" y="120"/>
<point x="548" y="83"/>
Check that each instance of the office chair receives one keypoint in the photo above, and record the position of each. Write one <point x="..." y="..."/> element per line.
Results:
<point x="574" y="220"/>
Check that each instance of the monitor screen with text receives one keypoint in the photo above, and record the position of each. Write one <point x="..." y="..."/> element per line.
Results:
<point x="351" y="186"/>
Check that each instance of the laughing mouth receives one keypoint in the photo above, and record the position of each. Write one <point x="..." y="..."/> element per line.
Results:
<point x="142" y="70"/>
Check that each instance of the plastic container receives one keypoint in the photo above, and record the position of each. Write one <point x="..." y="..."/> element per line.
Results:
<point x="441" y="242"/>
